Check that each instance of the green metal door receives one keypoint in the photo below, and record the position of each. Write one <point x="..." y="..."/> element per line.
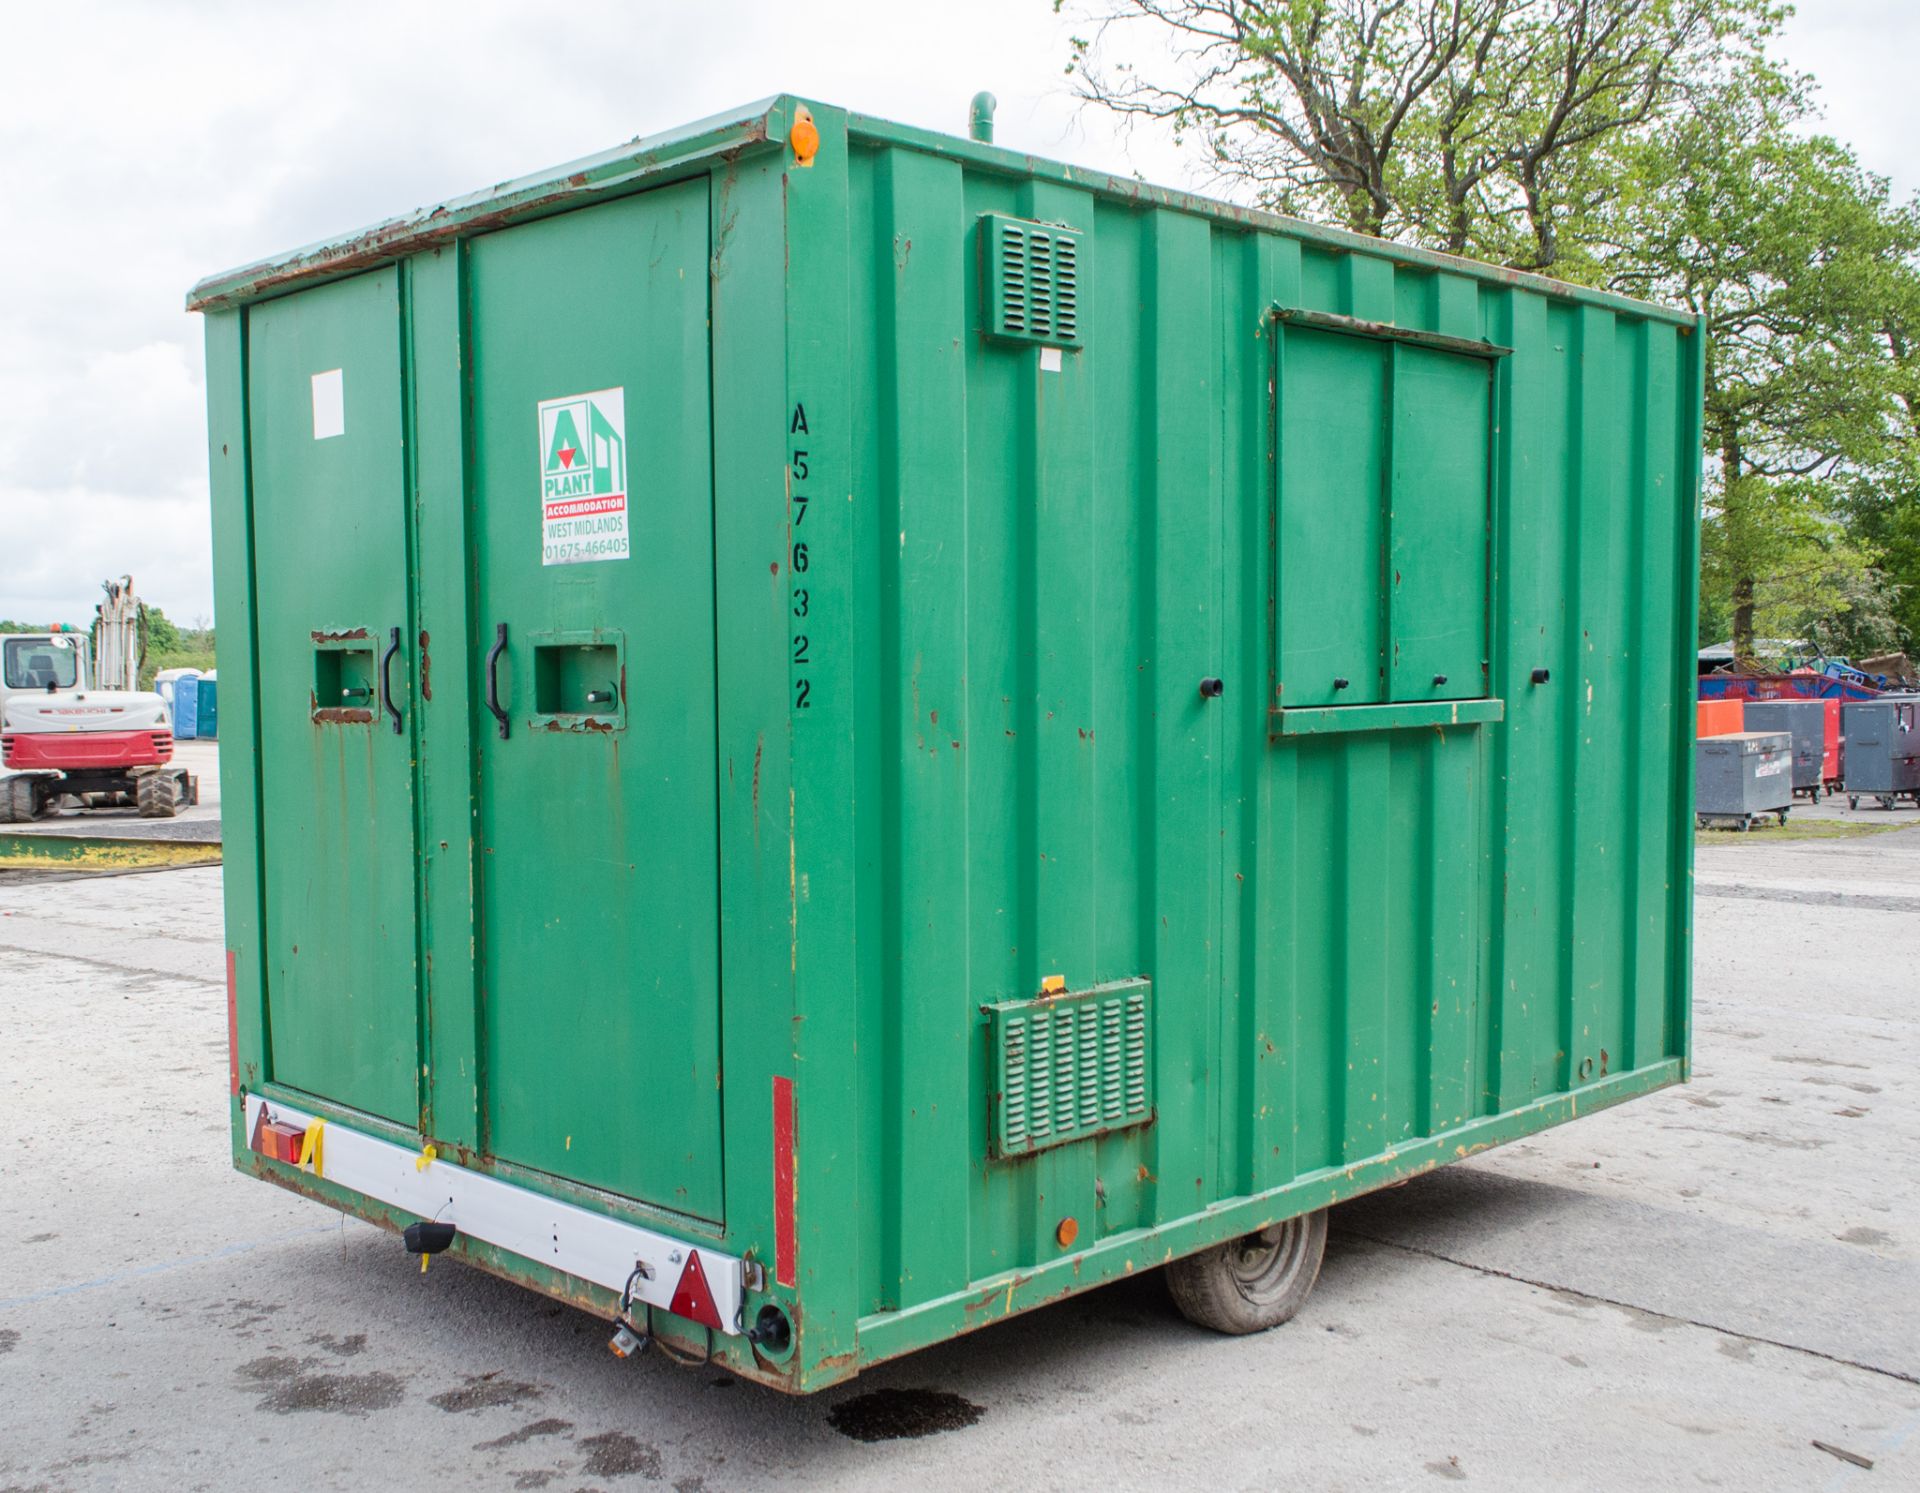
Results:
<point x="598" y="918"/>
<point x="336" y="780"/>
<point x="1441" y="432"/>
<point x="1331" y="390"/>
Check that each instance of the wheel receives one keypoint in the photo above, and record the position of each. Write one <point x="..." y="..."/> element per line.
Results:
<point x="1887" y="804"/>
<point x="158" y="795"/>
<point x="1853" y="800"/>
<point x="1783" y="819"/>
<point x="19" y="804"/>
<point x="1814" y="796"/>
<point x="1251" y="1284"/>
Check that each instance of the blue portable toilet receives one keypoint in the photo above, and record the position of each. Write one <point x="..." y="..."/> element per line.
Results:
<point x="186" y="708"/>
<point x="207" y="707"/>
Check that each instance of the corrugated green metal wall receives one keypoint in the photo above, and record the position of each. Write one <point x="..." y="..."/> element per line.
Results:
<point x="962" y="605"/>
<point x="1356" y="939"/>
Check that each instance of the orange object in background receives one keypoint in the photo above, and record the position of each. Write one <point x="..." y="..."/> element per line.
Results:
<point x="1719" y="717"/>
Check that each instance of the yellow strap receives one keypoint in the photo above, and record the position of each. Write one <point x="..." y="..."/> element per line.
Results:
<point x="425" y="1158"/>
<point x="313" y="1146"/>
<point x="424" y="1257"/>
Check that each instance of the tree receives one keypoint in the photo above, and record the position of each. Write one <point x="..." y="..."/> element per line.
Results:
<point x="1797" y="259"/>
<point x="1884" y="508"/>
<point x="1649" y="146"/>
<point x="1481" y="127"/>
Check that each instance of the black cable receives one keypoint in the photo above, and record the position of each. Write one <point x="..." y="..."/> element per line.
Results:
<point x="686" y="1361"/>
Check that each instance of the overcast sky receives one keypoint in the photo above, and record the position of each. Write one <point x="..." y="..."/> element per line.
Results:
<point x="144" y="145"/>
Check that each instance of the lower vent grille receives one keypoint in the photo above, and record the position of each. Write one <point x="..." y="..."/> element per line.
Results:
<point x="1070" y="1066"/>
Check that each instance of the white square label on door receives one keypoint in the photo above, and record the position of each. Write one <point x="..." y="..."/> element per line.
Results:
<point x="329" y="404"/>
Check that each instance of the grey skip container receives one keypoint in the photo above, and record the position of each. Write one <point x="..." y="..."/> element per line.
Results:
<point x="1806" y="721"/>
<point x="1883" y="749"/>
<point x="1743" y="777"/>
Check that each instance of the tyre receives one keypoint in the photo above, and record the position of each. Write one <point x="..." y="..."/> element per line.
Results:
<point x="19" y="804"/>
<point x="157" y="795"/>
<point x="1251" y="1284"/>
<point x="1853" y="800"/>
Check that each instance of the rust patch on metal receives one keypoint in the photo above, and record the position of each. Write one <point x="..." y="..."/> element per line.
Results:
<point x="759" y="750"/>
<point x="340" y="715"/>
<point x="347" y="635"/>
<point x="426" y="668"/>
<point x="585" y="723"/>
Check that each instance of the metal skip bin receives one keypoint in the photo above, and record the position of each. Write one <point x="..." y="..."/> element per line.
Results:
<point x="1882" y="750"/>
<point x="1807" y="722"/>
<point x="836" y="733"/>
<point x="1743" y="778"/>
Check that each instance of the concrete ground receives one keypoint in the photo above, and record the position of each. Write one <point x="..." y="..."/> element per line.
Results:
<point x="1695" y="1290"/>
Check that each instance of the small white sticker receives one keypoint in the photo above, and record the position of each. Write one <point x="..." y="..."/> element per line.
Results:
<point x="329" y="404"/>
<point x="583" y="478"/>
<point x="1049" y="360"/>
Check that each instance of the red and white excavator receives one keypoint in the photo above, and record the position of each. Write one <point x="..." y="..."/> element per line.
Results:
<point x="67" y="743"/>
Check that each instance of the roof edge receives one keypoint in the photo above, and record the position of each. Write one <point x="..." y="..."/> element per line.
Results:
<point x="608" y="172"/>
<point x="1144" y="194"/>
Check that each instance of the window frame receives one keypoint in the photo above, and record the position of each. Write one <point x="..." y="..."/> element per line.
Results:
<point x="15" y="647"/>
<point x="1318" y="718"/>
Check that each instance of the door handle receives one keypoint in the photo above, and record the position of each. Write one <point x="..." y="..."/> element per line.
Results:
<point x="493" y="677"/>
<point x="386" y="679"/>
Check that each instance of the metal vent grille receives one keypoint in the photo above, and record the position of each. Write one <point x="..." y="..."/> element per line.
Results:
<point x="1032" y="275"/>
<point x="1070" y="1066"/>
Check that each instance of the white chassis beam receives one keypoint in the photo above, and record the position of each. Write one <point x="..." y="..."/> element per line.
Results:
<point x="592" y="1246"/>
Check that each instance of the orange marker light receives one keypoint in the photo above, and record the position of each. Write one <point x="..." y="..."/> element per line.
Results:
<point x="1053" y="985"/>
<point x="804" y="137"/>
<point x="1068" y="1231"/>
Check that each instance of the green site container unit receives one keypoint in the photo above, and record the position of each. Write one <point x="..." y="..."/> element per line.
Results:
<point x="930" y="729"/>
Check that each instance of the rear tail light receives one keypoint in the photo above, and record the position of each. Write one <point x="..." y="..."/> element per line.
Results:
<point x="277" y="1141"/>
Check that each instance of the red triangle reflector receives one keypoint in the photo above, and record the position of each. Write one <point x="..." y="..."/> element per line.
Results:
<point x="693" y="1298"/>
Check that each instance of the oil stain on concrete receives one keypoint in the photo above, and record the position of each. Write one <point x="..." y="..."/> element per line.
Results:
<point x="290" y="1386"/>
<point x="896" y="1414"/>
<point x="616" y="1454"/>
<point x="486" y="1392"/>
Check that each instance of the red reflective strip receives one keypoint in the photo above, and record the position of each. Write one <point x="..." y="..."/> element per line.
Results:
<point x="783" y="1239"/>
<point x="233" y="1026"/>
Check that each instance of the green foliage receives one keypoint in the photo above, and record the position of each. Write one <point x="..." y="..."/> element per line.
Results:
<point x="1493" y="128"/>
<point x="158" y="634"/>
<point x="1650" y="146"/>
<point x="1798" y="261"/>
<point x="170" y="646"/>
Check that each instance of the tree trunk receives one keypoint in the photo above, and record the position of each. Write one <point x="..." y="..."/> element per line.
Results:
<point x="1742" y="620"/>
<point x="1739" y="543"/>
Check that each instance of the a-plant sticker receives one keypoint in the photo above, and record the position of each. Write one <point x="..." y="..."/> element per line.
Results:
<point x="583" y="478"/>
